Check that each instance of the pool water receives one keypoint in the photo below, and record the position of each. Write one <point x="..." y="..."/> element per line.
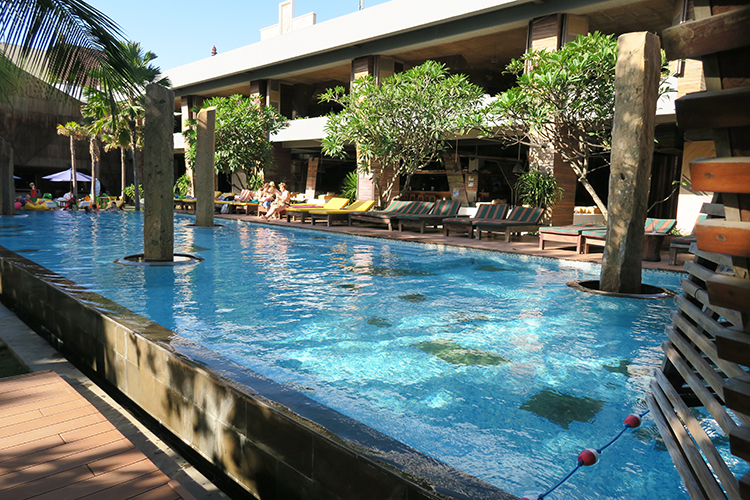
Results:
<point x="483" y="360"/>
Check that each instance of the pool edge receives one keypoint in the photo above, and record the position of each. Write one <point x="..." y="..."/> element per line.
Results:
<point x="273" y="441"/>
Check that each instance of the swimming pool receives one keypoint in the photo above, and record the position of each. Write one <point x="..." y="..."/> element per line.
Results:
<point x="485" y="361"/>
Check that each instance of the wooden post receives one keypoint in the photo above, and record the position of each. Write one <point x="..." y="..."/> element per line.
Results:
<point x="636" y="92"/>
<point x="158" y="215"/>
<point x="7" y="186"/>
<point x="204" y="167"/>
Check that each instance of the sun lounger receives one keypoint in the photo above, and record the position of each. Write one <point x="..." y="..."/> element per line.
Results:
<point x="442" y="209"/>
<point x="567" y="234"/>
<point x="652" y="227"/>
<point x="485" y="211"/>
<point x="389" y="216"/>
<point x="520" y="219"/>
<point x="342" y="214"/>
<point x="302" y="211"/>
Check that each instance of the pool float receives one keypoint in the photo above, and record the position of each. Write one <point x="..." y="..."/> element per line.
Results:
<point x="35" y="205"/>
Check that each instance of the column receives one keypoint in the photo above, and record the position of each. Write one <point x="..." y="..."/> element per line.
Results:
<point x="158" y="222"/>
<point x="204" y="167"/>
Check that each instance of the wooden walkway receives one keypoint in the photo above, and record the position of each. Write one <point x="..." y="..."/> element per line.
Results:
<point x="55" y="445"/>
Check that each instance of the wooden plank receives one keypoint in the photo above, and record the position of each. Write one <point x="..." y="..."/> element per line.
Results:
<point x="714" y="109"/>
<point x="737" y="395"/>
<point x="716" y="258"/>
<point x="713" y="406"/>
<point x="721" y="175"/>
<point x="713" y="209"/>
<point x="730" y="292"/>
<point x="694" y="457"/>
<point x="733" y="345"/>
<point x="701" y="295"/>
<point x="680" y="462"/>
<point x="692" y="356"/>
<point x="723" y="236"/>
<point x="728" y="481"/>
<point x="739" y="443"/>
<point x="693" y="39"/>
<point x="706" y="345"/>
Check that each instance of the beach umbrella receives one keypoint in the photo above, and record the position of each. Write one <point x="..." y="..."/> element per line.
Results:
<point x="67" y="176"/>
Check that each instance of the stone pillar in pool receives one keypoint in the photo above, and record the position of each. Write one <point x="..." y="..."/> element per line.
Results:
<point x="204" y="167"/>
<point x="636" y="92"/>
<point x="7" y="186"/>
<point x="158" y="152"/>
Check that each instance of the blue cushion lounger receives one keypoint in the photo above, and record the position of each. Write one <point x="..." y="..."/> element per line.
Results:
<point x="485" y="211"/>
<point x="441" y="210"/>
<point x="598" y="237"/>
<point x="567" y="234"/>
<point x="519" y="219"/>
<point x="389" y="216"/>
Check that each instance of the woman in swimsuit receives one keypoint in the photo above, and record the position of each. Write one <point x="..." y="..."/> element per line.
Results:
<point x="283" y="198"/>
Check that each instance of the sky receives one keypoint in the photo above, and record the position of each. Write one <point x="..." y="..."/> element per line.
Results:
<point x="181" y="32"/>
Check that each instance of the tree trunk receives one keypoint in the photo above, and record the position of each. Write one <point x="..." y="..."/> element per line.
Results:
<point x="92" y="152"/>
<point x="597" y="201"/>
<point x="136" y="191"/>
<point x="73" y="166"/>
<point x="122" y="172"/>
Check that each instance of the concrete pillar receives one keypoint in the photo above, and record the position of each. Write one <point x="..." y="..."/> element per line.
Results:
<point x="158" y="182"/>
<point x="636" y="92"/>
<point x="312" y="178"/>
<point x="204" y="167"/>
<point x="7" y="186"/>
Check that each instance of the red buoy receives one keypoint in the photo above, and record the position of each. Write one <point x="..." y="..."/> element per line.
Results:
<point x="589" y="456"/>
<point x="633" y="421"/>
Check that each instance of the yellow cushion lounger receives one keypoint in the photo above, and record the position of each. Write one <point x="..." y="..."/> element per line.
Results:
<point x="341" y="214"/>
<point x="303" y="212"/>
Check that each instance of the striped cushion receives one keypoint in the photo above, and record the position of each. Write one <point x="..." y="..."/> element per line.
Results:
<point x="659" y="225"/>
<point x="487" y="211"/>
<point x="418" y="207"/>
<point x="525" y="214"/>
<point x="446" y="208"/>
<point x="598" y="234"/>
<point x="572" y="228"/>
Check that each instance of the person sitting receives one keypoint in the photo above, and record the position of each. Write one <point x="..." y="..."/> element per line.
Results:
<point x="267" y="195"/>
<point x="283" y="198"/>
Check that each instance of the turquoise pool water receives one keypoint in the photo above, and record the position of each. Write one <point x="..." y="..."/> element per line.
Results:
<point x="486" y="361"/>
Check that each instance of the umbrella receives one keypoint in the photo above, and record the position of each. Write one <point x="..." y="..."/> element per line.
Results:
<point x="67" y="176"/>
<point x="16" y="177"/>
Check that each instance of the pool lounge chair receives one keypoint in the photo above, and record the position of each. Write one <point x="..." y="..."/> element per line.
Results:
<point x="567" y="234"/>
<point x="658" y="227"/>
<point x="485" y="211"/>
<point x="341" y="215"/>
<point x="442" y="209"/>
<point x="302" y="211"/>
<point x="242" y="200"/>
<point x="389" y="216"/>
<point x="520" y="219"/>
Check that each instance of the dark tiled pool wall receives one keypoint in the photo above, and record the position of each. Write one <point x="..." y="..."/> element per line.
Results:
<point x="275" y="442"/>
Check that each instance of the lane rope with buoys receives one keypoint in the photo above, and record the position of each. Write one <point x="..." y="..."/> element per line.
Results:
<point x="590" y="456"/>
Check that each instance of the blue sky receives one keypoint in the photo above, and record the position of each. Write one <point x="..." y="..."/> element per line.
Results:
<point x="180" y="32"/>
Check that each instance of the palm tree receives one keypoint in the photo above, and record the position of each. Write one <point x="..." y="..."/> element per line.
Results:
<point x="58" y="41"/>
<point x="130" y="107"/>
<point x="75" y="132"/>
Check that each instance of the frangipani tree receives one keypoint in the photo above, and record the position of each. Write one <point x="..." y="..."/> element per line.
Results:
<point x="564" y="99"/>
<point x="243" y="128"/>
<point x="400" y="126"/>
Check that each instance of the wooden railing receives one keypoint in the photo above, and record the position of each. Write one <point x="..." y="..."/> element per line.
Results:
<point x="708" y="346"/>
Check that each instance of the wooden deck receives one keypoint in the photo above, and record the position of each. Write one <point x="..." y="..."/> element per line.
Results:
<point x="55" y="445"/>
